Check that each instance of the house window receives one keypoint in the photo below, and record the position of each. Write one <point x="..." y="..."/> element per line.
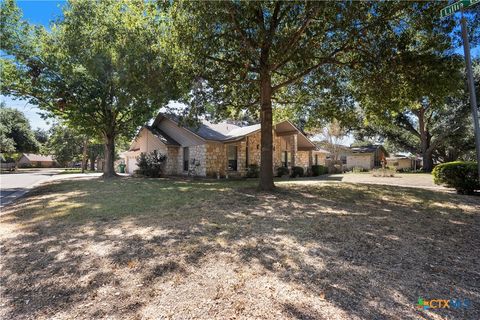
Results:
<point x="343" y="159"/>
<point x="232" y="158"/>
<point x="287" y="159"/>
<point x="316" y="159"/>
<point x="186" y="158"/>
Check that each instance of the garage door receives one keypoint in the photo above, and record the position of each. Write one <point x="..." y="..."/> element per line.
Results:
<point x="131" y="165"/>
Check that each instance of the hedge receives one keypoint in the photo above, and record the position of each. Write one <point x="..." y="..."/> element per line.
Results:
<point x="297" y="172"/>
<point x="318" y="170"/>
<point x="282" y="171"/>
<point x="463" y="176"/>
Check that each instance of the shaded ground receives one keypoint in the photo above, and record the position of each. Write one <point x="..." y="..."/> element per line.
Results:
<point x="132" y="248"/>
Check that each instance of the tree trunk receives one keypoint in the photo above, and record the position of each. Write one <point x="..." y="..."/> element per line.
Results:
<point x="84" y="155"/>
<point x="108" y="168"/>
<point x="427" y="161"/>
<point x="92" y="162"/>
<point x="266" y="164"/>
<point x="425" y="142"/>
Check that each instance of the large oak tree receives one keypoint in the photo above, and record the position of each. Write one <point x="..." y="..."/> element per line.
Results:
<point x="252" y="55"/>
<point x="412" y="92"/>
<point x="101" y="68"/>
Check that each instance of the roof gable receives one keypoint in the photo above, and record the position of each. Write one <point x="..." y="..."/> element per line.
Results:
<point x="369" y="149"/>
<point x="226" y="131"/>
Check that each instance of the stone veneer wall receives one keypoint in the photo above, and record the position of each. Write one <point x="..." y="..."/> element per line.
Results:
<point x="198" y="153"/>
<point x="216" y="159"/>
<point x="254" y="151"/>
<point x="321" y="158"/>
<point x="241" y="158"/>
<point x="303" y="159"/>
<point x="213" y="156"/>
<point x="282" y="144"/>
<point x="171" y="167"/>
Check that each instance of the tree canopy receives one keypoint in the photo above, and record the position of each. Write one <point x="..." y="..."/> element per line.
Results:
<point x="64" y="144"/>
<point x="16" y="135"/>
<point x="249" y="56"/>
<point x="415" y="95"/>
<point x="101" y="68"/>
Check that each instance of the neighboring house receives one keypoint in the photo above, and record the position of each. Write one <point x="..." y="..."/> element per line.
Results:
<point x="401" y="162"/>
<point x="367" y="157"/>
<point x="223" y="148"/>
<point x="36" y="160"/>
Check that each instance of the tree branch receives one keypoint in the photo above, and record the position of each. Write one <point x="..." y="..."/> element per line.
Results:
<point x="248" y="41"/>
<point x="323" y="61"/>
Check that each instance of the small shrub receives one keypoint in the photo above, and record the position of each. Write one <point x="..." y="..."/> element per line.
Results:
<point x="318" y="170"/>
<point x="282" y="171"/>
<point x="297" y="172"/>
<point x="253" y="171"/>
<point x="463" y="176"/>
<point x="151" y="164"/>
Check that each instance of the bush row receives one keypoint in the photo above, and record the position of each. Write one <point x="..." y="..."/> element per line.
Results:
<point x="463" y="176"/>
<point x="315" y="171"/>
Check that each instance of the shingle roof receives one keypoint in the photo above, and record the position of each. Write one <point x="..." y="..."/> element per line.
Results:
<point x="366" y="149"/>
<point x="242" y="131"/>
<point x="165" y="138"/>
<point x="214" y="131"/>
<point x="320" y="150"/>
<point x="38" y="157"/>
<point x="227" y="131"/>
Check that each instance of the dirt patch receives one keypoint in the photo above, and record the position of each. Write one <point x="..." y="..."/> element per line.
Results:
<point x="152" y="249"/>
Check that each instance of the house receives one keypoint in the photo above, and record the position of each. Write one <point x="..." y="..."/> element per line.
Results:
<point x="320" y="156"/>
<point x="36" y="160"/>
<point x="402" y="162"/>
<point x="367" y="157"/>
<point x="225" y="148"/>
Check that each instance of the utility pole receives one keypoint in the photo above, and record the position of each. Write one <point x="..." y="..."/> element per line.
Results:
<point x="471" y="89"/>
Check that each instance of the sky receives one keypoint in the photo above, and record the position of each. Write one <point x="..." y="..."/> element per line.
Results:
<point x="43" y="12"/>
<point x="36" y="12"/>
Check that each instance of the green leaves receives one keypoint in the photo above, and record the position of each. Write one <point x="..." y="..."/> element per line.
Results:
<point x="16" y="136"/>
<point x="102" y="69"/>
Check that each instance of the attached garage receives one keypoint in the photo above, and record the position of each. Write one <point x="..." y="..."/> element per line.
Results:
<point x="131" y="161"/>
<point x="148" y="140"/>
<point x="364" y="161"/>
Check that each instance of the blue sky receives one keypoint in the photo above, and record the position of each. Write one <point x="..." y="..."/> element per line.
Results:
<point x="43" y="12"/>
<point x="37" y="12"/>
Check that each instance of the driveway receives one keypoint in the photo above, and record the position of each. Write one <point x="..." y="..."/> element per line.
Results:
<point x="407" y="180"/>
<point x="15" y="185"/>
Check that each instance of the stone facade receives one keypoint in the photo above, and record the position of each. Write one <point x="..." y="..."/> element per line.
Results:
<point x="303" y="159"/>
<point x="211" y="157"/>
<point x="171" y="166"/>
<point x="319" y="158"/>
<point x="216" y="160"/>
<point x="254" y="150"/>
<point x="197" y="158"/>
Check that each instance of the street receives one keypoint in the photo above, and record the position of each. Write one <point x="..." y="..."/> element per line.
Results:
<point x="14" y="185"/>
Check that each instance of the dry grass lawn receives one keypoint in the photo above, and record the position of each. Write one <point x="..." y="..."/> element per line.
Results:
<point x="150" y="249"/>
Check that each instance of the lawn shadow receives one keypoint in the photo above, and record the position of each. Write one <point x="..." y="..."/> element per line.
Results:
<point x="368" y="251"/>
